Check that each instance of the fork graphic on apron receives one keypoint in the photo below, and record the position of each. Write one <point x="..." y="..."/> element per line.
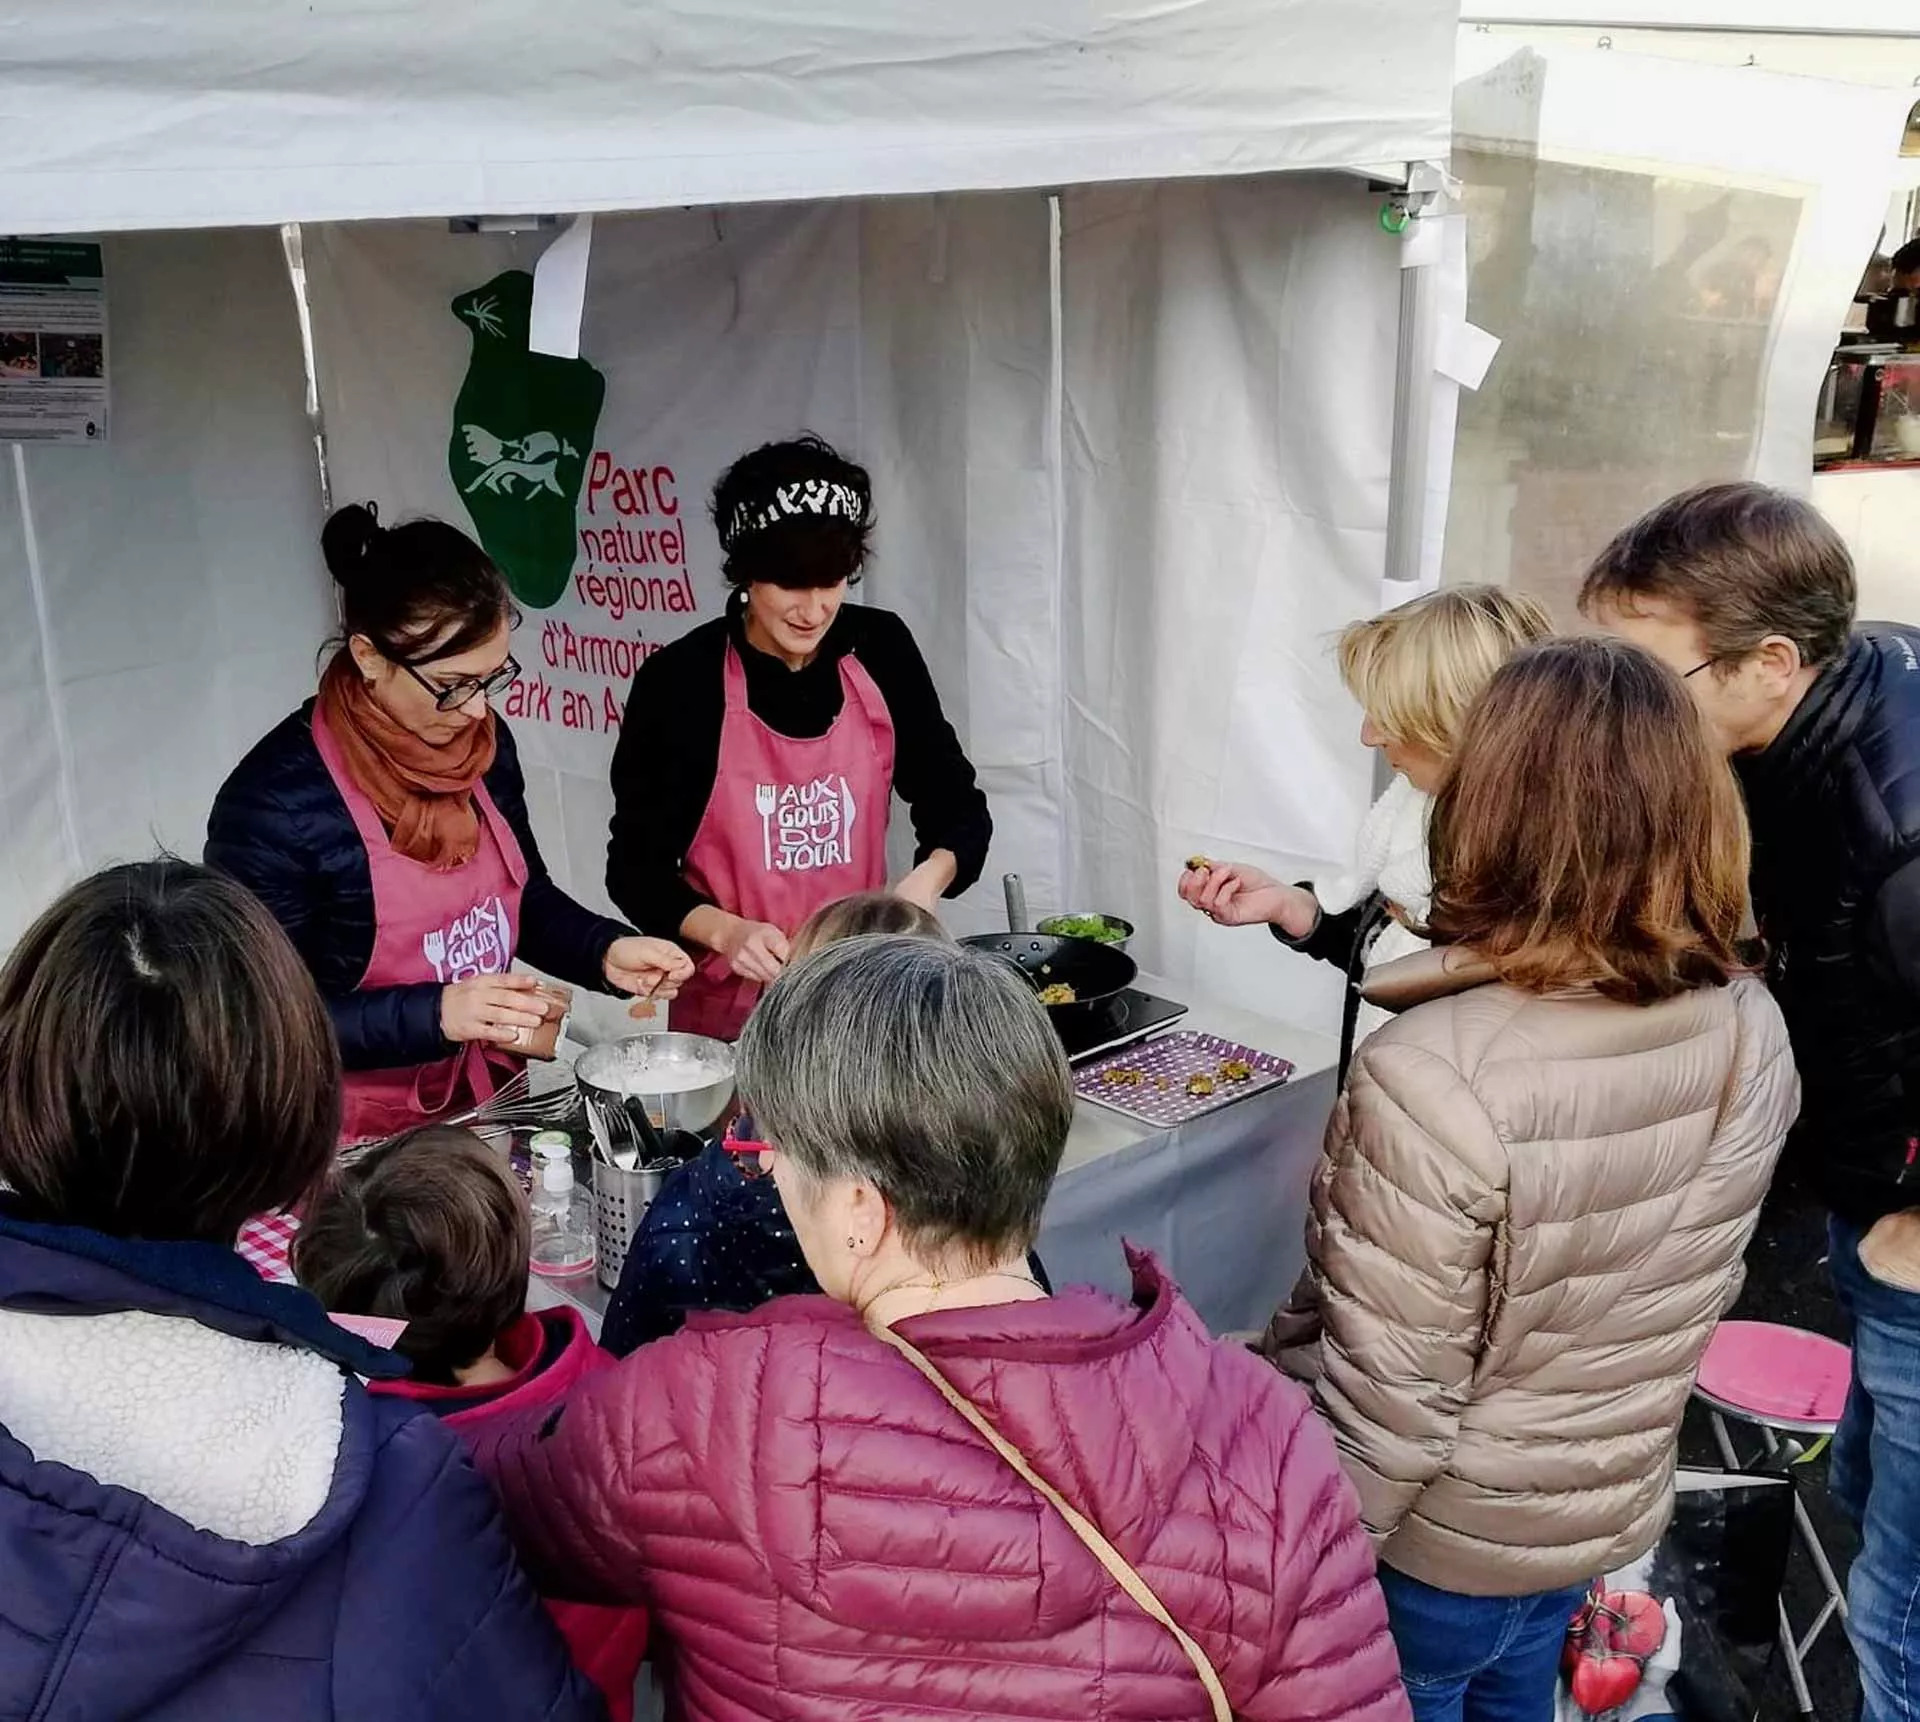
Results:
<point x="765" y="799"/>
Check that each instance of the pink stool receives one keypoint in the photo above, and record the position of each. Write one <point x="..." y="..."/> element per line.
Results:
<point x="1781" y="1380"/>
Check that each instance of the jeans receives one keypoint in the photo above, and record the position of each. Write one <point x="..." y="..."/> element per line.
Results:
<point x="1874" y="1477"/>
<point x="1478" y="1658"/>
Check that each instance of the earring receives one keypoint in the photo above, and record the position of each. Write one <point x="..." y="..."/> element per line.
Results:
<point x="861" y="1245"/>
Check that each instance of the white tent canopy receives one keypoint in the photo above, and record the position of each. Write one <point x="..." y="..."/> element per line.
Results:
<point x="122" y="114"/>
<point x="1131" y="442"/>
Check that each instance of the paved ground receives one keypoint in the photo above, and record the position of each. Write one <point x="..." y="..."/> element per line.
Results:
<point x="1787" y="1282"/>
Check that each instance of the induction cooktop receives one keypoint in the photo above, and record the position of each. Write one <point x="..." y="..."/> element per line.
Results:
<point x="1126" y="1017"/>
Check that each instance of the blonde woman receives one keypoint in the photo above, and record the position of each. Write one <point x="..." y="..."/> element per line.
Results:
<point x="1415" y="670"/>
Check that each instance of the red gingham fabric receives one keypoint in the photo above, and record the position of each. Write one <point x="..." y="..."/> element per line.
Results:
<point x="264" y="1242"/>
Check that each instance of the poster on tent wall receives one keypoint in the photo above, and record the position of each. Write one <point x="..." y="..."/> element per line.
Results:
<point x="53" y="341"/>
<point x="586" y="479"/>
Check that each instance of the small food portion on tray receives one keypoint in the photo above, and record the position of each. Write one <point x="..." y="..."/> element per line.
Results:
<point x="1179" y="1076"/>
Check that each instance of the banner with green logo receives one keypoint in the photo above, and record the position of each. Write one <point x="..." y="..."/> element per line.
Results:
<point x="523" y="427"/>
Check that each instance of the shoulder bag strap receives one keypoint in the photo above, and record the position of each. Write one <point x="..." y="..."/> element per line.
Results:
<point x="1082" y="1527"/>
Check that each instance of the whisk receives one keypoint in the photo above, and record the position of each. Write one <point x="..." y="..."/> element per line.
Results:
<point x="514" y="1106"/>
<point x="511" y="1106"/>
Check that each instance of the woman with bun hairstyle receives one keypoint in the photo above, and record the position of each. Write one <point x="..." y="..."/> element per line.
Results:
<point x="385" y="826"/>
<point x="760" y="754"/>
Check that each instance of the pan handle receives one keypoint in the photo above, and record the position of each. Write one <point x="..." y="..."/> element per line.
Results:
<point x="1016" y="904"/>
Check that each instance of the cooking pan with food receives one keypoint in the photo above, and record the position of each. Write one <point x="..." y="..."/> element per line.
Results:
<point x="1091" y="973"/>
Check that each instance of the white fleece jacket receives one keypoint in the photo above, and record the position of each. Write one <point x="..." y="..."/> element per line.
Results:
<point x="234" y="1436"/>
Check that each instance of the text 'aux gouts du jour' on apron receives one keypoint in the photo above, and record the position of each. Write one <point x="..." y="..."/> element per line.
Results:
<point x="793" y="824"/>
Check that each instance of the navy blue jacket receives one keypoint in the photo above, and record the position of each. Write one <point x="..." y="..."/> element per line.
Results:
<point x="713" y="1238"/>
<point x="281" y="828"/>
<point x="1834" y="803"/>
<point x="400" y="1600"/>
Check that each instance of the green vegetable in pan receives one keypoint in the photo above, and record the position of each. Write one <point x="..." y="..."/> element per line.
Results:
<point x="1095" y="927"/>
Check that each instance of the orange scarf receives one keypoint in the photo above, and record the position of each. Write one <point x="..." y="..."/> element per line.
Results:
<point x="423" y="793"/>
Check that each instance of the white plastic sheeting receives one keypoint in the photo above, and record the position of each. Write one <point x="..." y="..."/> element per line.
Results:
<point x="1124" y="553"/>
<point x="1669" y="249"/>
<point x="128" y="114"/>
<point x="162" y="598"/>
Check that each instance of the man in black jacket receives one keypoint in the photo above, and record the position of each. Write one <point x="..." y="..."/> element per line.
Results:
<point x="1749" y="594"/>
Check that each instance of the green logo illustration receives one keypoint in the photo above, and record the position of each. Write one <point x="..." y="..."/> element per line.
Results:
<point x="522" y="433"/>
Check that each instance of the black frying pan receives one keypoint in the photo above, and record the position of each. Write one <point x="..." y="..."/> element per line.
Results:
<point x="1096" y="972"/>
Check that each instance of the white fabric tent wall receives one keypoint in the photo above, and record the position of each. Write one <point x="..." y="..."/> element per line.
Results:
<point x="1229" y="390"/>
<point x="161" y="589"/>
<point x="957" y="422"/>
<point x="1831" y="145"/>
<point x="1133" y="640"/>
<point x="121" y="114"/>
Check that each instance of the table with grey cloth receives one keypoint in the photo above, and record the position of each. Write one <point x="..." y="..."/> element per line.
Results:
<point x="1222" y="1200"/>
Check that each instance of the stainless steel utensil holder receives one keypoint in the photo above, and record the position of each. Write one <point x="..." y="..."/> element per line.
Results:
<point x="620" y="1203"/>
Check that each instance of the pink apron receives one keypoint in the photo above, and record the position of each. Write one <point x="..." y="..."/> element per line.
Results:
<point x="792" y="826"/>
<point x="430" y="926"/>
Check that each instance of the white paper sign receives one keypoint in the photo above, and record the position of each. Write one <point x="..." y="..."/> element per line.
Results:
<point x="1464" y="351"/>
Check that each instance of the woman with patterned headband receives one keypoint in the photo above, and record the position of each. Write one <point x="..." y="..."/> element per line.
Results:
<point x="760" y="755"/>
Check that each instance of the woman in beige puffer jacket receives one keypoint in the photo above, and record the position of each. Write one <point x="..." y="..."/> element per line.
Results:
<point x="1539" y="1180"/>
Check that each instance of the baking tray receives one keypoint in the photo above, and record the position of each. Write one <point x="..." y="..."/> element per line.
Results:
<point x="1170" y="1060"/>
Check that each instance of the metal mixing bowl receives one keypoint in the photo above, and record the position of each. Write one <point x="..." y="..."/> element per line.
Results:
<point x="620" y="1069"/>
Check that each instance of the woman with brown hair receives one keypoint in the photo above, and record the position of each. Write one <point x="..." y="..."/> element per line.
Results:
<point x="1538" y="1181"/>
<point x="385" y="825"/>
<point x="203" y="1512"/>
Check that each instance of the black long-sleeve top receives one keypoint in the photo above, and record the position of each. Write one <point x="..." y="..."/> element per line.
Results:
<point x="1343" y="940"/>
<point x="669" y="752"/>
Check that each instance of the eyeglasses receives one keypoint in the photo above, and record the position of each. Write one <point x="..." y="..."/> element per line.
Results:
<point x="451" y="696"/>
<point x="1704" y="663"/>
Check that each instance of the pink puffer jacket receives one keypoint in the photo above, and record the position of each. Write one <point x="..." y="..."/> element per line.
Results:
<point x="820" y="1536"/>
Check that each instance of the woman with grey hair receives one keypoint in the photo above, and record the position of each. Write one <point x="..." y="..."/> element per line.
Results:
<point x="896" y="1499"/>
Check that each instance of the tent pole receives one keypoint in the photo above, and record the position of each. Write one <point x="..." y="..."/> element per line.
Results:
<point x="292" y="248"/>
<point x="1414" y="212"/>
<point x="1409" y="476"/>
<point x="52" y="686"/>
<point x="1412" y="449"/>
<point x="1066" y="873"/>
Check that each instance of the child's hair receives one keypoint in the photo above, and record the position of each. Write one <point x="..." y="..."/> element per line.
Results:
<point x="866" y="913"/>
<point x="431" y="1230"/>
<point x="1417" y="667"/>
